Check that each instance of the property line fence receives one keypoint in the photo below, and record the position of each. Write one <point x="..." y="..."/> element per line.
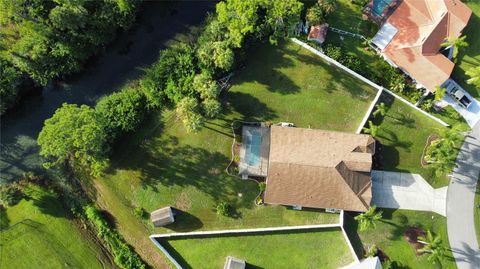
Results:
<point x="362" y="78"/>
<point x="369" y="111"/>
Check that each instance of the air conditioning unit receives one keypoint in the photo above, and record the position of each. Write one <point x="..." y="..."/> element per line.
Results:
<point x="332" y="210"/>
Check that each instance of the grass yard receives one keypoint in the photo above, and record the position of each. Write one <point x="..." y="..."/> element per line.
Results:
<point x="163" y="165"/>
<point x="469" y="57"/>
<point x="389" y="237"/>
<point x="319" y="249"/>
<point x="40" y="234"/>
<point x="403" y="133"/>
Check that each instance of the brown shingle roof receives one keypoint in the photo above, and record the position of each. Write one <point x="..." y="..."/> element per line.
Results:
<point x="422" y="26"/>
<point x="320" y="169"/>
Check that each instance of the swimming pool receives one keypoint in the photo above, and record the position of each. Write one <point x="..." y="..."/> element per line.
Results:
<point x="379" y="6"/>
<point x="253" y="142"/>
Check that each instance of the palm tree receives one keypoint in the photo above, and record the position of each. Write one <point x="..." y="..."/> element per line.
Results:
<point x="433" y="246"/>
<point x="439" y="93"/>
<point x="474" y="74"/>
<point x="369" y="218"/>
<point x="380" y="110"/>
<point x="372" y="129"/>
<point x="456" y="43"/>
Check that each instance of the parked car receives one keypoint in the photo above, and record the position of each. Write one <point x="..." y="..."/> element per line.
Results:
<point x="459" y="94"/>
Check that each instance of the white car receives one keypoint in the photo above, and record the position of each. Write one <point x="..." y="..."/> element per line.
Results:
<point x="457" y="93"/>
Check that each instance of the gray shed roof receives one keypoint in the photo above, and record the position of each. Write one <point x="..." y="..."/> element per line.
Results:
<point x="384" y="36"/>
<point x="234" y="263"/>
<point x="162" y="216"/>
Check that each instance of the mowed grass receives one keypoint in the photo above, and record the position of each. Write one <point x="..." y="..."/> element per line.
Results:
<point x="388" y="236"/>
<point x="317" y="249"/>
<point x="164" y="165"/>
<point x="403" y="132"/>
<point x="40" y="234"/>
<point x="470" y="56"/>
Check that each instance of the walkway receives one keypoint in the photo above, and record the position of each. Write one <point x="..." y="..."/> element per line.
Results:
<point x="407" y="191"/>
<point x="460" y="199"/>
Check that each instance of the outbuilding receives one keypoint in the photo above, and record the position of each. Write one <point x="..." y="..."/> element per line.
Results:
<point x="234" y="263"/>
<point x="162" y="217"/>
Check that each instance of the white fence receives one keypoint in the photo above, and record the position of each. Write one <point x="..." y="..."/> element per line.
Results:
<point x="362" y="78"/>
<point x="237" y="232"/>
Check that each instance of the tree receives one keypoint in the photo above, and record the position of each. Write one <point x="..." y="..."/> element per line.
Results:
<point x="380" y="109"/>
<point x="456" y="43"/>
<point x="122" y="111"/>
<point x="433" y="246"/>
<point x="74" y="135"/>
<point x="442" y="152"/>
<point x="315" y="15"/>
<point x="9" y="78"/>
<point x="188" y="111"/>
<point x="369" y="218"/>
<point x="327" y="6"/>
<point x="439" y="93"/>
<point x="211" y="108"/>
<point x="372" y="129"/>
<point x="474" y="74"/>
<point x="240" y="17"/>
<point x="280" y="17"/>
<point x="206" y="86"/>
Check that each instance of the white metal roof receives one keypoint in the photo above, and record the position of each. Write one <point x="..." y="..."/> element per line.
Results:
<point x="384" y="36"/>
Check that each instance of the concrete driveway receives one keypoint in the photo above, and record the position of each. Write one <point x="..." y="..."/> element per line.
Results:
<point x="407" y="191"/>
<point x="470" y="114"/>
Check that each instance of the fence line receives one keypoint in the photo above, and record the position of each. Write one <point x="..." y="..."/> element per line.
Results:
<point x="172" y="260"/>
<point x="362" y="78"/>
<point x="342" y="32"/>
<point x="369" y="111"/>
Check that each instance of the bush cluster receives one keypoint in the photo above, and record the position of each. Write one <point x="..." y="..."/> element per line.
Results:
<point x="123" y="254"/>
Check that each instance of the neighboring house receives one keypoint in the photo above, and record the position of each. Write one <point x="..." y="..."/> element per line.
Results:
<point x="367" y="263"/>
<point x="412" y="35"/>
<point x="319" y="169"/>
<point x="318" y="33"/>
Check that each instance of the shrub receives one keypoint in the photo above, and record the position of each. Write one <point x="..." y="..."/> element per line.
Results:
<point x="10" y="195"/>
<point x="223" y="209"/>
<point x="333" y="52"/>
<point x="262" y="186"/>
<point x="206" y="86"/>
<point x="188" y="111"/>
<point x="140" y="213"/>
<point x="123" y="255"/>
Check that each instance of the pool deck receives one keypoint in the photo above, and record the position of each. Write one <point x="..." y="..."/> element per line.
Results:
<point x="262" y="168"/>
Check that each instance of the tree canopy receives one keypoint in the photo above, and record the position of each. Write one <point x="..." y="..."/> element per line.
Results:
<point x="74" y="135"/>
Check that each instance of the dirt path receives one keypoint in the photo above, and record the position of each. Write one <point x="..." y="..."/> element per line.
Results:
<point x="134" y="232"/>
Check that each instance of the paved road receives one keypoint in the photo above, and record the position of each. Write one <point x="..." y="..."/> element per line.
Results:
<point x="407" y="191"/>
<point x="460" y="203"/>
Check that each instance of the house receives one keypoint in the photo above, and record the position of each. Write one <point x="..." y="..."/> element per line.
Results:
<point x="319" y="169"/>
<point x="367" y="263"/>
<point x="162" y="216"/>
<point x="318" y="33"/>
<point x="234" y="263"/>
<point x="411" y="38"/>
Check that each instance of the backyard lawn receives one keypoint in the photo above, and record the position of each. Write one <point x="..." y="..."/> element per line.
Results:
<point x="162" y="164"/>
<point x="318" y="249"/>
<point x="469" y="57"/>
<point x="403" y="133"/>
<point x="388" y="236"/>
<point x="40" y="234"/>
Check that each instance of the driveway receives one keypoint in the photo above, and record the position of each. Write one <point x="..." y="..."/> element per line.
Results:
<point x="407" y="191"/>
<point x="470" y="114"/>
<point x="460" y="203"/>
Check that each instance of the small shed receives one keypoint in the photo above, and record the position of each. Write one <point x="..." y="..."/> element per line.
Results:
<point x="318" y="33"/>
<point x="162" y="216"/>
<point x="234" y="263"/>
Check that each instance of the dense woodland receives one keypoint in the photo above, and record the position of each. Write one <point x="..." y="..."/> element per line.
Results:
<point x="44" y="40"/>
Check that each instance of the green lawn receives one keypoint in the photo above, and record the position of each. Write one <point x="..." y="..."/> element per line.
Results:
<point x="389" y="237"/>
<point x="403" y="133"/>
<point x="319" y="249"/>
<point x="470" y="56"/>
<point x="476" y="213"/>
<point x="163" y="165"/>
<point x="41" y="234"/>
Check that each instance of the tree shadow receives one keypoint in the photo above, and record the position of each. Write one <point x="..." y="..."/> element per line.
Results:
<point x="249" y="107"/>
